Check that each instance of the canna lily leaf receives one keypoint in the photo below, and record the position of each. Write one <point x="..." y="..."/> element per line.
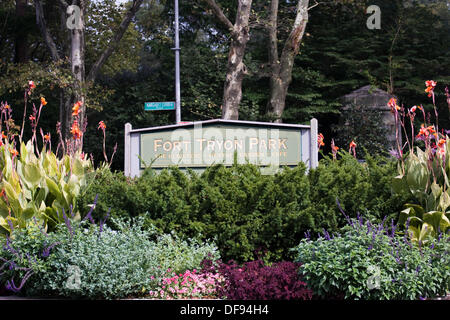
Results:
<point x="32" y="174"/>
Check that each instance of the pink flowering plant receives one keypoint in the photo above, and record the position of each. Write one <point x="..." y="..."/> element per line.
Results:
<point x="188" y="285"/>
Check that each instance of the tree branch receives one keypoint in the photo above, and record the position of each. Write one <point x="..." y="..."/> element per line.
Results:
<point x="64" y="4"/>
<point x="40" y="20"/>
<point x="272" y="29"/>
<point x="115" y="41"/>
<point x="219" y="14"/>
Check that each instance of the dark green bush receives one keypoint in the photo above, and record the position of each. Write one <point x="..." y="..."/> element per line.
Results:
<point x="363" y="187"/>
<point x="249" y="214"/>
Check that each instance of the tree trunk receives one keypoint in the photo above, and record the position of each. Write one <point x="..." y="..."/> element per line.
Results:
<point x="236" y="69"/>
<point x="21" y="47"/>
<point x="281" y="67"/>
<point x="77" y="59"/>
<point x="77" y="65"/>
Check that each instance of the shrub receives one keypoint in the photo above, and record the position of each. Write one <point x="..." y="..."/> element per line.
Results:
<point x="250" y="214"/>
<point x="360" y="187"/>
<point x="82" y="260"/>
<point x="256" y="281"/>
<point x="242" y="209"/>
<point x="371" y="262"/>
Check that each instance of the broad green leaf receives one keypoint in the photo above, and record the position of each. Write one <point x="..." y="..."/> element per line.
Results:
<point x="444" y="201"/>
<point x="32" y="173"/>
<point x="53" y="188"/>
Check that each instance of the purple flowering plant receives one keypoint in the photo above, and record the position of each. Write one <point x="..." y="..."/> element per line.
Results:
<point x="342" y="266"/>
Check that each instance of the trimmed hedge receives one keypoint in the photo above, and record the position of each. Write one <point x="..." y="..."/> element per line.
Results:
<point x="249" y="215"/>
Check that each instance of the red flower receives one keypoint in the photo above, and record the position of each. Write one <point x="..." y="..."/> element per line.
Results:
<point x="392" y="103"/>
<point x="76" y="108"/>
<point x="102" y="125"/>
<point x="319" y="140"/>
<point x="31" y="85"/>
<point x="32" y="118"/>
<point x="430" y="87"/>
<point x="75" y="130"/>
<point x="13" y="152"/>
<point x="352" y="144"/>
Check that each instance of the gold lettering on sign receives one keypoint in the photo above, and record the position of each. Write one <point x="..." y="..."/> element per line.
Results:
<point x="157" y="144"/>
<point x="200" y="141"/>
<point x="167" y="146"/>
<point x="210" y="144"/>
<point x="282" y="142"/>
<point x="253" y="142"/>
<point x="238" y="143"/>
<point x="228" y="145"/>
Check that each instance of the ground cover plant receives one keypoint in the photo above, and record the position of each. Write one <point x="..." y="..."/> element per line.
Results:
<point x="256" y="280"/>
<point x="372" y="261"/>
<point x="84" y="260"/>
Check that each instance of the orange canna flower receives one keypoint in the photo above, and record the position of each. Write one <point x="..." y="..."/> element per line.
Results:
<point x="31" y="84"/>
<point x="7" y="106"/>
<point x="431" y="130"/>
<point x="75" y="130"/>
<point x="430" y="87"/>
<point x="47" y="137"/>
<point x="3" y="135"/>
<point x="430" y="83"/>
<point x="43" y="101"/>
<point x="320" y="140"/>
<point x="392" y="103"/>
<point x="352" y="144"/>
<point x="76" y="108"/>
<point x="13" y="152"/>
<point x="335" y="148"/>
<point x="101" y="125"/>
<point x="441" y="142"/>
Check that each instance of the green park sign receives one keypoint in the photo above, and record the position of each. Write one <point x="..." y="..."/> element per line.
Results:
<point x="198" y="145"/>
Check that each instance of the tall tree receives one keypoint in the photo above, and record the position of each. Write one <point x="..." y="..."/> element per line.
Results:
<point x="236" y="69"/>
<point x="77" y="90"/>
<point x="281" y="66"/>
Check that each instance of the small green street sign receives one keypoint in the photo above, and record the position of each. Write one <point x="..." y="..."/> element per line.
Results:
<point x="152" y="106"/>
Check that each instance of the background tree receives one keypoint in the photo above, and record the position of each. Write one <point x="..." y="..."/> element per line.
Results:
<point x="236" y="69"/>
<point x="76" y="33"/>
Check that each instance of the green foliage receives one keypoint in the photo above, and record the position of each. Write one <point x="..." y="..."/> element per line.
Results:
<point x="249" y="214"/>
<point x="366" y="263"/>
<point x="94" y="262"/>
<point x="38" y="187"/>
<point x="363" y="126"/>
<point x="363" y="187"/>
<point x="425" y="176"/>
